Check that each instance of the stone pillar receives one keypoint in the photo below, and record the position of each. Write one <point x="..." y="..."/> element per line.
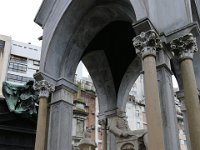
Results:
<point x="41" y="135"/>
<point x="103" y="123"/>
<point x="146" y="45"/>
<point x="167" y="100"/>
<point x="60" y="118"/>
<point x="180" y="96"/>
<point x="184" y="48"/>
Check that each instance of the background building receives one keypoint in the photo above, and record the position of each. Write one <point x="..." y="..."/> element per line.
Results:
<point x="84" y="115"/>
<point x="18" y="62"/>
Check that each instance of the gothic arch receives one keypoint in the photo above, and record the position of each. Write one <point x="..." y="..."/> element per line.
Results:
<point x="74" y="39"/>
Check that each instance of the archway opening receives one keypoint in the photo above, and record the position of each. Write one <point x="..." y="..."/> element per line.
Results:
<point x="116" y="41"/>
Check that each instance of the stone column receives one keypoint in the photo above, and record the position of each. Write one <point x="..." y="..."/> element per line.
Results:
<point x="41" y="135"/>
<point x="103" y="123"/>
<point x="184" y="48"/>
<point x="167" y="100"/>
<point x="60" y="116"/>
<point x="146" y="45"/>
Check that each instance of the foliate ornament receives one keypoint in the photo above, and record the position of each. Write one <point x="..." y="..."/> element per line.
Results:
<point x="184" y="47"/>
<point x="44" y="88"/>
<point x="147" y="43"/>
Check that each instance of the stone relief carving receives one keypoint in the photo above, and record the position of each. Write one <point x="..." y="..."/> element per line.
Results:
<point x="80" y="128"/>
<point x="184" y="47"/>
<point x="147" y="43"/>
<point x="118" y="125"/>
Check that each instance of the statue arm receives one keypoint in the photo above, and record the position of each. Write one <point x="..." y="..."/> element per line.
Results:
<point x="112" y="127"/>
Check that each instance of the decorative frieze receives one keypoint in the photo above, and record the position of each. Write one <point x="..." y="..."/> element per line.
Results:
<point x="147" y="43"/>
<point x="184" y="47"/>
<point x="44" y="88"/>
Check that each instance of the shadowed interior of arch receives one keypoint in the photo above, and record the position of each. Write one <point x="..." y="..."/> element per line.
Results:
<point x="116" y="41"/>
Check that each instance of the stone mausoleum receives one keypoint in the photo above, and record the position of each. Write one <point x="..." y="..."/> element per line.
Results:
<point x="117" y="40"/>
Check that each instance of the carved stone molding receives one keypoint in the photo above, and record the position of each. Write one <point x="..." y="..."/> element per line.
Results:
<point x="44" y="88"/>
<point x="184" y="47"/>
<point x="147" y="43"/>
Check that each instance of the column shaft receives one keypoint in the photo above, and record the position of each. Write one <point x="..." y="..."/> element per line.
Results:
<point x="191" y="102"/>
<point x="155" y="128"/>
<point x="60" y="126"/>
<point x="168" y="108"/>
<point x="104" y="136"/>
<point x="41" y="125"/>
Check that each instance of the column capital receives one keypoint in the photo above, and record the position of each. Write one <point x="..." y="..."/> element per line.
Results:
<point x="102" y="122"/>
<point x="44" y="88"/>
<point x="147" y="43"/>
<point x="184" y="47"/>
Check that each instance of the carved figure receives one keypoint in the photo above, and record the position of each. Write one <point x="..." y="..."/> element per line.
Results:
<point x="21" y="98"/>
<point x="119" y="127"/>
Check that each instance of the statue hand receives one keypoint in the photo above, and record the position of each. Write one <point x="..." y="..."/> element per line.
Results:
<point x="125" y="134"/>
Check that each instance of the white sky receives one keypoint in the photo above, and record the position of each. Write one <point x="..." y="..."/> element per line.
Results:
<point x="16" y="20"/>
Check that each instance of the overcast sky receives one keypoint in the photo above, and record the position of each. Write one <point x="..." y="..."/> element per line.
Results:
<point x="16" y="20"/>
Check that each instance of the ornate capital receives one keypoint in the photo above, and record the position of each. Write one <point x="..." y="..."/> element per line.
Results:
<point x="184" y="47"/>
<point x="147" y="43"/>
<point x="44" y="88"/>
<point x="102" y="122"/>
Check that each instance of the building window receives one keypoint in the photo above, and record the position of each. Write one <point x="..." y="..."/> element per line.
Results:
<point x="2" y="45"/>
<point x="17" y="64"/>
<point x="137" y="113"/>
<point x="18" y="59"/>
<point x="16" y="78"/>
<point x="16" y="67"/>
<point x="37" y="63"/>
<point x="138" y="125"/>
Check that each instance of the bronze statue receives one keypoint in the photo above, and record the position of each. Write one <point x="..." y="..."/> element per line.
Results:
<point x="21" y="99"/>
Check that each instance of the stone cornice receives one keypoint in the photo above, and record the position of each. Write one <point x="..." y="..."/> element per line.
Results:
<point x="147" y="43"/>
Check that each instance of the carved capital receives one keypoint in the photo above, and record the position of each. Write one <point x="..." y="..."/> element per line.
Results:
<point x="184" y="47"/>
<point x="147" y="43"/>
<point x="103" y="122"/>
<point x="44" y="88"/>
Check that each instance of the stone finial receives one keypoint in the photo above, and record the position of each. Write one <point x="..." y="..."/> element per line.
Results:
<point x="147" y="43"/>
<point x="44" y="88"/>
<point x="184" y="47"/>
